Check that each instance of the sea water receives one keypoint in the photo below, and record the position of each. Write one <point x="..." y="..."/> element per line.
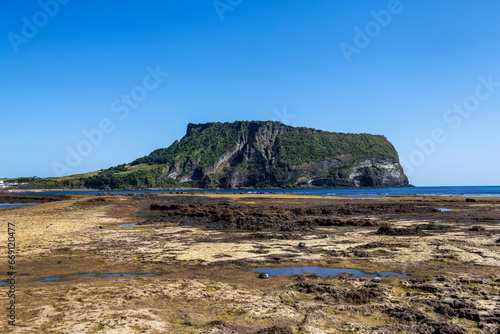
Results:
<point x="11" y="205"/>
<point x="465" y="191"/>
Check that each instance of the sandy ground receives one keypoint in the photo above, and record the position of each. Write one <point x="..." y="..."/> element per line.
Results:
<point x="202" y="282"/>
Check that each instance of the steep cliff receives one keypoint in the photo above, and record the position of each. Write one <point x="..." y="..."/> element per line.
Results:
<point x="263" y="154"/>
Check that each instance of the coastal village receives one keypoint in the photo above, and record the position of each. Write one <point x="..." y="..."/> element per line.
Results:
<point x="9" y="184"/>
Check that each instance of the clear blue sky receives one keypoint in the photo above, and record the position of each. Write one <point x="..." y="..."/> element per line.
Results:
<point x="67" y="67"/>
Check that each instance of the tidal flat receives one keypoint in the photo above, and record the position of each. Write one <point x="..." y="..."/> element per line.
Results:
<point x="188" y="262"/>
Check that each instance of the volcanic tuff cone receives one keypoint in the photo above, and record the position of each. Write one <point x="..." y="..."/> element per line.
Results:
<point x="261" y="154"/>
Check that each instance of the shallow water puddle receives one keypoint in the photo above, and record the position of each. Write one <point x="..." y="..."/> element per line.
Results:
<point x="12" y="205"/>
<point x="50" y="279"/>
<point x="89" y="274"/>
<point x="57" y="278"/>
<point x="118" y="275"/>
<point x="129" y="224"/>
<point x="320" y="271"/>
<point x="5" y="283"/>
<point x="444" y="210"/>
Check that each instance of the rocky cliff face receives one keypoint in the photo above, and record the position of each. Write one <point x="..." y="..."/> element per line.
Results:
<point x="271" y="154"/>
<point x="370" y="172"/>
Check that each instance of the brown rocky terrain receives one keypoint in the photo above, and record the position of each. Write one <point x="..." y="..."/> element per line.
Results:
<point x="197" y="252"/>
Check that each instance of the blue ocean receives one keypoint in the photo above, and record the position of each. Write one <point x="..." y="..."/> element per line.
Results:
<point x="10" y="205"/>
<point x="466" y="191"/>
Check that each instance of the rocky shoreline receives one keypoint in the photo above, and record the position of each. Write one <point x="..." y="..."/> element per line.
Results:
<point x="30" y="198"/>
<point x="197" y="251"/>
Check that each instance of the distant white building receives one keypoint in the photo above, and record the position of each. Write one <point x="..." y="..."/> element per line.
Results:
<point x="1" y="184"/>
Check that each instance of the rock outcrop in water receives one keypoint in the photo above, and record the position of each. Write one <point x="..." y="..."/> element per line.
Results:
<point x="261" y="154"/>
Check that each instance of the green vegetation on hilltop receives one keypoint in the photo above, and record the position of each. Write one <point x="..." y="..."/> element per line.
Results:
<point x="295" y="146"/>
<point x="204" y="145"/>
<point x="304" y="145"/>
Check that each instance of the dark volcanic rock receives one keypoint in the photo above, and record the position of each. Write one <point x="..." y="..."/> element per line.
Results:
<point x="31" y="198"/>
<point x="276" y="330"/>
<point x="338" y="295"/>
<point x="388" y="230"/>
<point x="408" y="315"/>
<point x="225" y="327"/>
<point x="440" y="327"/>
<point x="222" y="214"/>
<point x="426" y="328"/>
<point x="425" y="324"/>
